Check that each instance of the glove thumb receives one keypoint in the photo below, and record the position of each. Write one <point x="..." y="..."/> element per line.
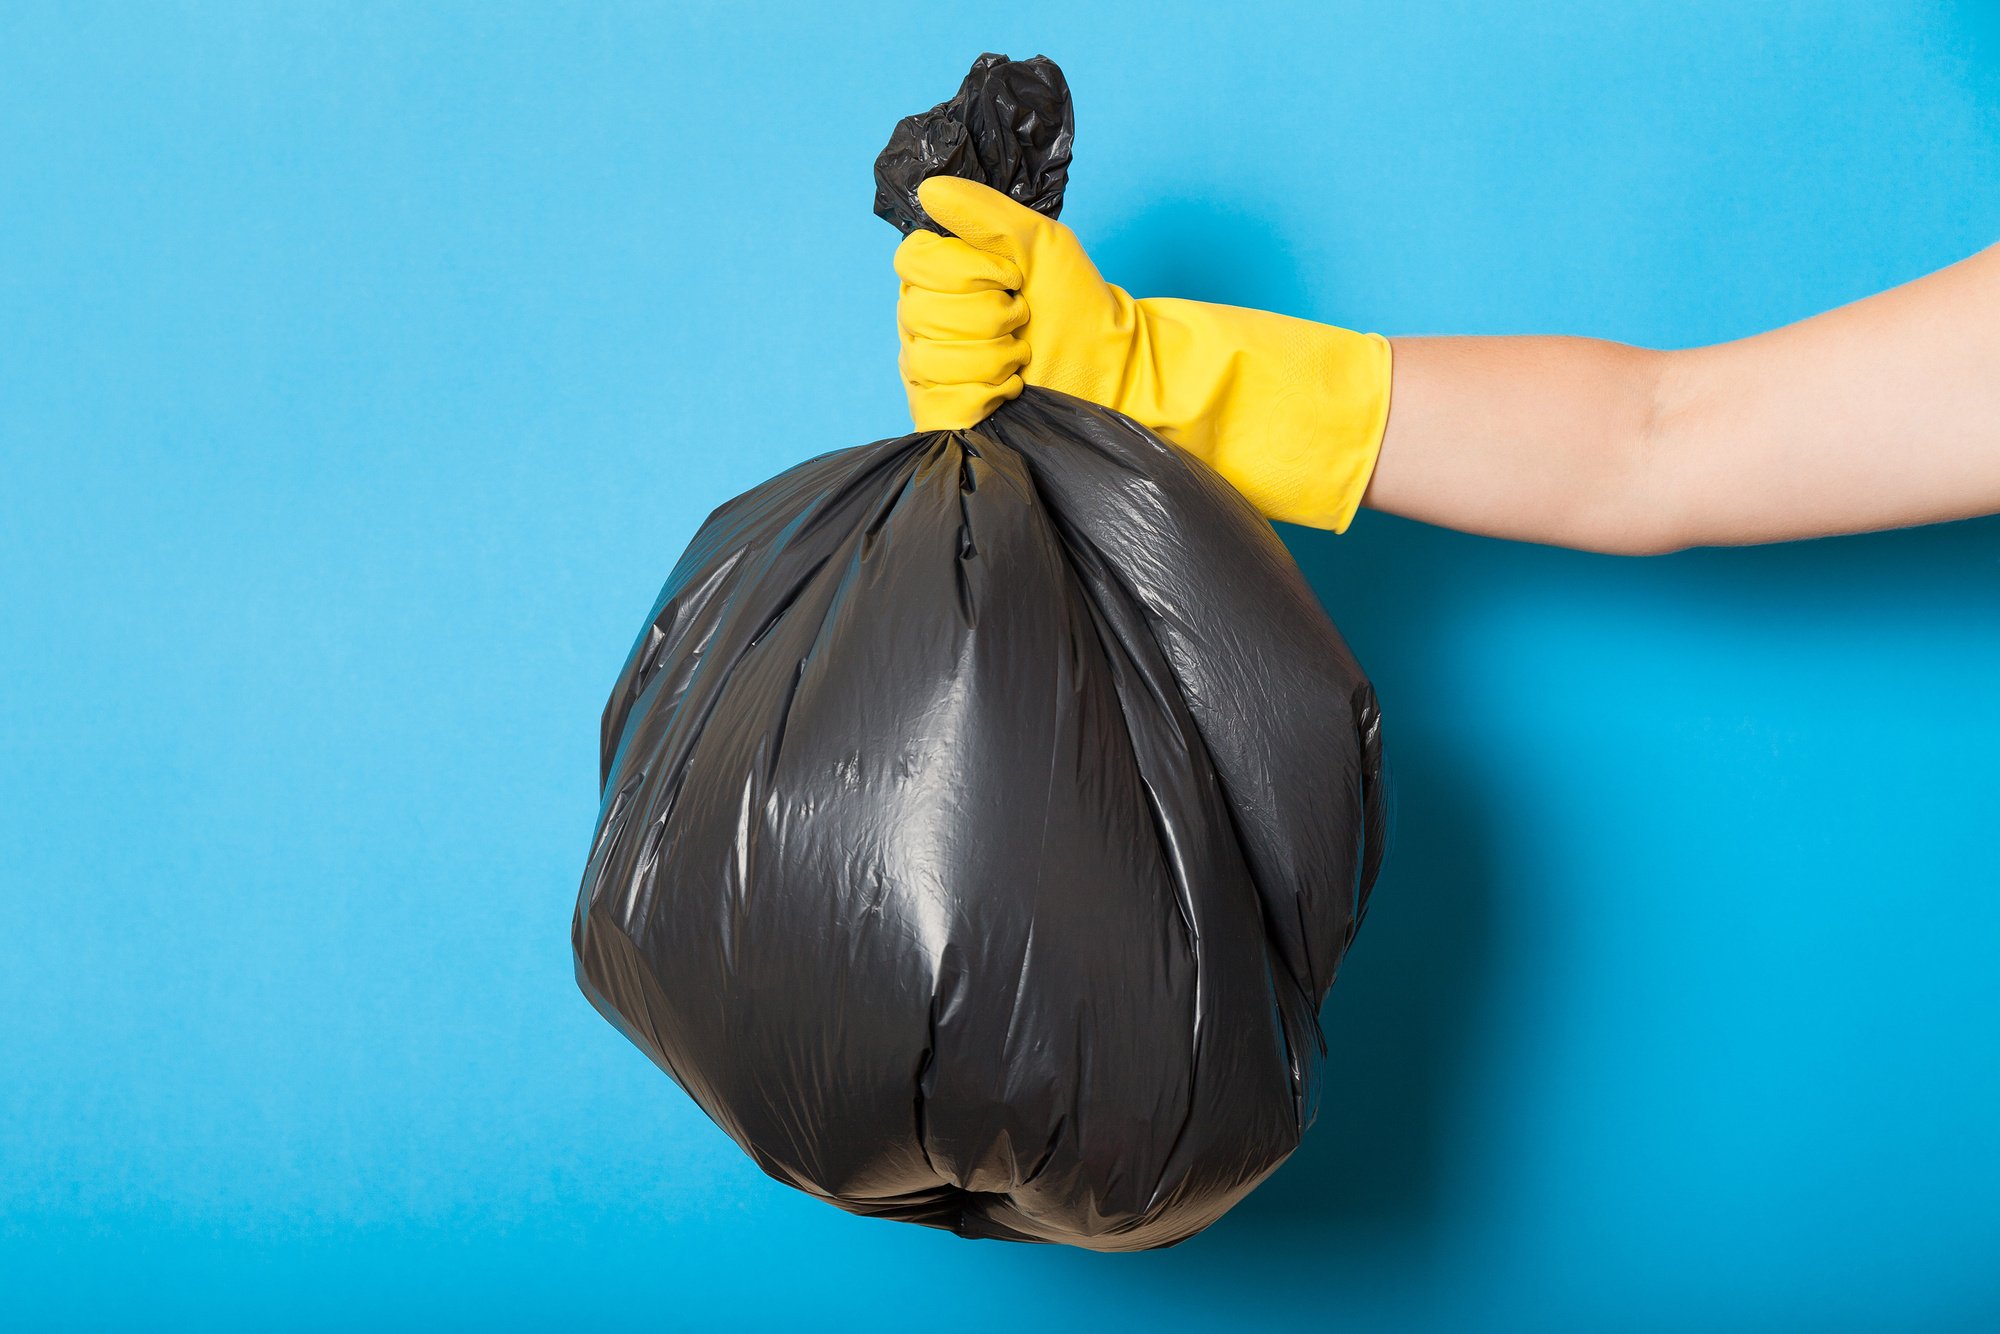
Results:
<point x="981" y="216"/>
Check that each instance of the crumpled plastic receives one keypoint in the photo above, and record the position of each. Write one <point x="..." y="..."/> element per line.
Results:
<point x="1010" y="126"/>
<point x="986" y="813"/>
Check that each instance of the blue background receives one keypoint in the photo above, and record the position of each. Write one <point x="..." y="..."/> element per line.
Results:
<point x="364" y="368"/>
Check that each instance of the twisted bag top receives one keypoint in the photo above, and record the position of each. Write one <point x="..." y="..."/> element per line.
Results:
<point x="985" y="813"/>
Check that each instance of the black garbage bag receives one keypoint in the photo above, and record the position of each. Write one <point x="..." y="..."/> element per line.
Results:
<point x="985" y="813"/>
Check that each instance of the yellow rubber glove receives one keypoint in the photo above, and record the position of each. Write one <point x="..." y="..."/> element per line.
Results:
<point x="1289" y="411"/>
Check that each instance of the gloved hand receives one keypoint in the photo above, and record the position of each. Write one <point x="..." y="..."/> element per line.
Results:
<point x="1289" y="411"/>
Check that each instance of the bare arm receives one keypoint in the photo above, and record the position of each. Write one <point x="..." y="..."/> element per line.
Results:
<point x="1880" y="414"/>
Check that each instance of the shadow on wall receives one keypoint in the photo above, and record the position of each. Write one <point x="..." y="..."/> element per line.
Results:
<point x="1373" y="1183"/>
<point x="1371" y="1191"/>
<point x="1374" y="1195"/>
<point x="1369" y="1178"/>
<point x="1371" y="1175"/>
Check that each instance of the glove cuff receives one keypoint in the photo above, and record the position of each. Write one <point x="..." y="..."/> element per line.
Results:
<point x="1289" y="411"/>
<point x="1336" y="416"/>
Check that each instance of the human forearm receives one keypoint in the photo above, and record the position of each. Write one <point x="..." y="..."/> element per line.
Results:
<point x="1879" y="414"/>
<point x="1531" y="438"/>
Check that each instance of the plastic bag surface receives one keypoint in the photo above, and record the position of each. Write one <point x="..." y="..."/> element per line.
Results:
<point x="1010" y="126"/>
<point x="985" y="815"/>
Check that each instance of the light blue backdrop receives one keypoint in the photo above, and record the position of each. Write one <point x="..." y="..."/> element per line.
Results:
<point x="363" y="369"/>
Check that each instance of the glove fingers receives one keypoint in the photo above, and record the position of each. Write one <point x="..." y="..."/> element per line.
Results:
<point x="956" y="407"/>
<point x="947" y="264"/>
<point x="959" y="315"/>
<point x="960" y="306"/>
<point x="981" y="216"/>
<point x="989" y="361"/>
